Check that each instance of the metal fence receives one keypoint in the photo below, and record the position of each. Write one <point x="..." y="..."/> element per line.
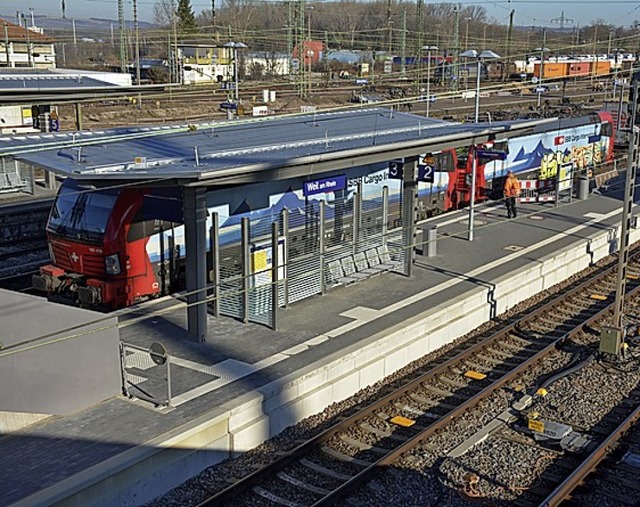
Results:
<point x="249" y="285"/>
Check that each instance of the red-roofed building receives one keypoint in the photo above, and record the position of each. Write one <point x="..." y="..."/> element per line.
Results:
<point x="25" y="47"/>
<point x="312" y="51"/>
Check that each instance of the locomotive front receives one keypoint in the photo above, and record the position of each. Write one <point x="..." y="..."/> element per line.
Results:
<point x="93" y="262"/>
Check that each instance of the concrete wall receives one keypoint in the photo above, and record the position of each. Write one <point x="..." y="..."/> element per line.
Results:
<point x="55" y="359"/>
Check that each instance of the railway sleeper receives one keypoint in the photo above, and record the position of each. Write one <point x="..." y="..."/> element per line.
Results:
<point x="302" y="485"/>
<point x="416" y="412"/>
<point x="623" y="467"/>
<point x="275" y="498"/>
<point x="382" y="433"/>
<point x="343" y="457"/>
<point x="505" y="360"/>
<point x="358" y="444"/>
<point x="507" y="355"/>
<point x="482" y="368"/>
<point x="620" y="499"/>
<point x="323" y="470"/>
<point x="437" y="391"/>
<point x="454" y="382"/>
<point x="629" y="484"/>
<point x="423" y="400"/>
<point x="521" y="341"/>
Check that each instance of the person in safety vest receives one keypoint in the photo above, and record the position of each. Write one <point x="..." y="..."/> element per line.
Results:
<point x="511" y="193"/>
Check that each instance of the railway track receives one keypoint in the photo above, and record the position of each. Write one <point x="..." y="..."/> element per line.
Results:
<point x="608" y="475"/>
<point x="428" y="413"/>
<point x="179" y="106"/>
<point x="23" y="242"/>
<point x="23" y="221"/>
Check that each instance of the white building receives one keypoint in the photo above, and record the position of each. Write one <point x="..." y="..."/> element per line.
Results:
<point x="25" y="47"/>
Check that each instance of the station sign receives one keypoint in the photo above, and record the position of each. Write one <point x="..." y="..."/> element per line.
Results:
<point x="228" y="105"/>
<point x="426" y="170"/>
<point x="396" y="169"/>
<point x="332" y="184"/>
<point x="594" y="139"/>
<point x="492" y="154"/>
<point x="426" y="173"/>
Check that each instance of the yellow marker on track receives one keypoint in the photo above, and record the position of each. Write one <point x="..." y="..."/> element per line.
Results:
<point x="402" y="421"/>
<point x="598" y="297"/>
<point x="537" y="426"/>
<point x="476" y="375"/>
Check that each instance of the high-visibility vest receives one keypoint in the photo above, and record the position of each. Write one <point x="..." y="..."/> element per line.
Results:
<point x="512" y="187"/>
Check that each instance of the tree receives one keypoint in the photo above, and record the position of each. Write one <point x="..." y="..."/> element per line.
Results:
<point x="186" y="19"/>
<point x="163" y="12"/>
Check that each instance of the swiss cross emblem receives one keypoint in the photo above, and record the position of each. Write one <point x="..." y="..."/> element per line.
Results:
<point x="74" y="257"/>
<point x="558" y="140"/>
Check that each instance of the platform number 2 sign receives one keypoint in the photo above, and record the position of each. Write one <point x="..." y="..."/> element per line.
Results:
<point x="426" y="173"/>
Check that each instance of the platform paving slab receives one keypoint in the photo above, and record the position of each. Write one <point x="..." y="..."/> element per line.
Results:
<point x="326" y="349"/>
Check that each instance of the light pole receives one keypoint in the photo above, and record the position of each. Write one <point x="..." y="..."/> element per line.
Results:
<point x="428" y="49"/>
<point x="235" y="46"/>
<point x="542" y="50"/>
<point x="472" y="53"/>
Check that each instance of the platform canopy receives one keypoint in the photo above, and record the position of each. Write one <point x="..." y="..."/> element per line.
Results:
<point x="252" y="150"/>
<point x="34" y="86"/>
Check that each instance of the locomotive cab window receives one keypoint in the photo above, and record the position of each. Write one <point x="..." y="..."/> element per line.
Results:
<point x="606" y="129"/>
<point x="81" y="214"/>
<point x="444" y="162"/>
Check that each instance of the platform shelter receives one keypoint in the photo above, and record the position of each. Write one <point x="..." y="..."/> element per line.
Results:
<point x="275" y="209"/>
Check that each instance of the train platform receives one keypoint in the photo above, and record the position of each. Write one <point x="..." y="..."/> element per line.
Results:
<point x="248" y="382"/>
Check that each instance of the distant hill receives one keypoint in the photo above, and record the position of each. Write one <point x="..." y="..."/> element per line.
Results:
<point x="86" y="27"/>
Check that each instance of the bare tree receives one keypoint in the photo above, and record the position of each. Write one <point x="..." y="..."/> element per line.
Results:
<point x="163" y="12"/>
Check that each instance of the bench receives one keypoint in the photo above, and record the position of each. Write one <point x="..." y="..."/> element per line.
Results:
<point x="360" y="266"/>
<point x="350" y="270"/>
<point x="385" y="258"/>
<point x="363" y="265"/>
<point x="336" y="275"/>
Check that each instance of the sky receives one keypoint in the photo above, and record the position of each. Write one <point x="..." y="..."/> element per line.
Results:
<point x="528" y="12"/>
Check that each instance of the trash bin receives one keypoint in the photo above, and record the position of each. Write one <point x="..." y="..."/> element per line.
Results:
<point x="427" y="235"/>
<point x="583" y="187"/>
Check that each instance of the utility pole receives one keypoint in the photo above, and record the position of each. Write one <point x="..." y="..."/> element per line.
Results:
<point x="302" y="47"/>
<point x="213" y="15"/>
<point x="325" y="60"/>
<point x="290" y="43"/>
<point x="123" y="39"/>
<point x="389" y="28"/>
<point x="29" y="48"/>
<point x="507" y="52"/>
<point x="419" y="10"/>
<point x="403" y="48"/>
<point x="562" y="20"/>
<point x="456" y="48"/>
<point x="137" y="41"/>
<point x="612" y="338"/>
<point x="6" y="43"/>
<point x="64" y="14"/>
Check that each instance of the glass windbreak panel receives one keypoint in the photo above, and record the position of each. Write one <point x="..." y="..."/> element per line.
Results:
<point x="81" y="214"/>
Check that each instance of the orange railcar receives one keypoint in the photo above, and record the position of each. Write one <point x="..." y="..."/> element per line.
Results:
<point x="600" y="67"/>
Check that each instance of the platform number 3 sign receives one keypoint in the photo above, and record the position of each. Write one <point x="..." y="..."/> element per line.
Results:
<point x="395" y="170"/>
